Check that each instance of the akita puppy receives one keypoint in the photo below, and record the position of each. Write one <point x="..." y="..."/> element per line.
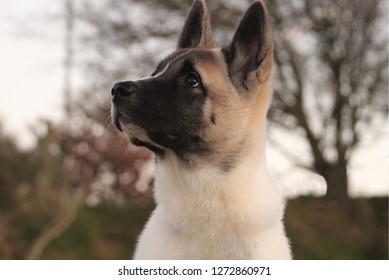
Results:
<point x="203" y="113"/>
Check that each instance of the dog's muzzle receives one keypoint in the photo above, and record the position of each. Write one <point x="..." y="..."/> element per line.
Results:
<point x="123" y="96"/>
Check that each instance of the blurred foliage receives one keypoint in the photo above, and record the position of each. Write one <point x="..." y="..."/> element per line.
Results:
<point x="42" y="188"/>
<point x="30" y="191"/>
<point x="316" y="231"/>
<point x="108" y="231"/>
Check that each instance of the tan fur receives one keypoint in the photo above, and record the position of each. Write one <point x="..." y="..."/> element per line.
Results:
<point x="224" y="101"/>
<point x="237" y="116"/>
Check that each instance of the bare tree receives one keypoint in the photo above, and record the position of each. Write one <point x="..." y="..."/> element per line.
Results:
<point x="331" y="79"/>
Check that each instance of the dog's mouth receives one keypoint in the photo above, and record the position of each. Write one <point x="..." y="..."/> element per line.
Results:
<point x="155" y="140"/>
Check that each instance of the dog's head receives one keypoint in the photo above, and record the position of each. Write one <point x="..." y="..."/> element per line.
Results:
<point x="201" y="102"/>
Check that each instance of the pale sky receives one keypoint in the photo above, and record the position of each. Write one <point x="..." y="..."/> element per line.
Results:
<point x="31" y="89"/>
<point x="31" y="74"/>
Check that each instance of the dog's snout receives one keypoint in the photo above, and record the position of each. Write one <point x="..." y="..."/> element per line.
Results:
<point x="122" y="90"/>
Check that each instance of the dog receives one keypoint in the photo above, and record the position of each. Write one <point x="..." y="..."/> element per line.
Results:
<point x="203" y="113"/>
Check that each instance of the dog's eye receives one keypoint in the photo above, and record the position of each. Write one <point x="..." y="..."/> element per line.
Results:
<point x="193" y="79"/>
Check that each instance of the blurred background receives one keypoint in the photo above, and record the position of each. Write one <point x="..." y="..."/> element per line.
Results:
<point x="71" y="187"/>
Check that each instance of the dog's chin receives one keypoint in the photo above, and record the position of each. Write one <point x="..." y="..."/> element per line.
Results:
<point x="156" y="142"/>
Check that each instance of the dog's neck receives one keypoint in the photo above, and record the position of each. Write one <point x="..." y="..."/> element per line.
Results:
<point x="184" y="192"/>
<point x="172" y="173"/>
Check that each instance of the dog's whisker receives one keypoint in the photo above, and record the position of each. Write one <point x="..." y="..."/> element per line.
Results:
<point x="123" y="138"/>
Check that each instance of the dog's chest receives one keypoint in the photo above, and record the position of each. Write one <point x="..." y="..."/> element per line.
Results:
<point x="208" y="231"/>
<point x="211" y="212"/>
<point x="208" y="214"/>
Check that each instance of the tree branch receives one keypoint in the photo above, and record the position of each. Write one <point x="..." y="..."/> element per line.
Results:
<point x="54" y="230"/>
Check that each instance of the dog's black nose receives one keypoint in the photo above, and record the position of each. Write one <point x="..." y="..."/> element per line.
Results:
<point x="122" y="90"/>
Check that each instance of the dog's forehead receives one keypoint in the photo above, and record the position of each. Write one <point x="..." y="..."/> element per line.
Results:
<point x="179" y="57"/>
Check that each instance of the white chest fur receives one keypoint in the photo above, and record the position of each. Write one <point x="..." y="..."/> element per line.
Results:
<point x="209" y="214"/>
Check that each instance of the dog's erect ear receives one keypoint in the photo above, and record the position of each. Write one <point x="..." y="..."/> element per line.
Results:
<point x="197" y="31"/>
<point x="249" y="55"/>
